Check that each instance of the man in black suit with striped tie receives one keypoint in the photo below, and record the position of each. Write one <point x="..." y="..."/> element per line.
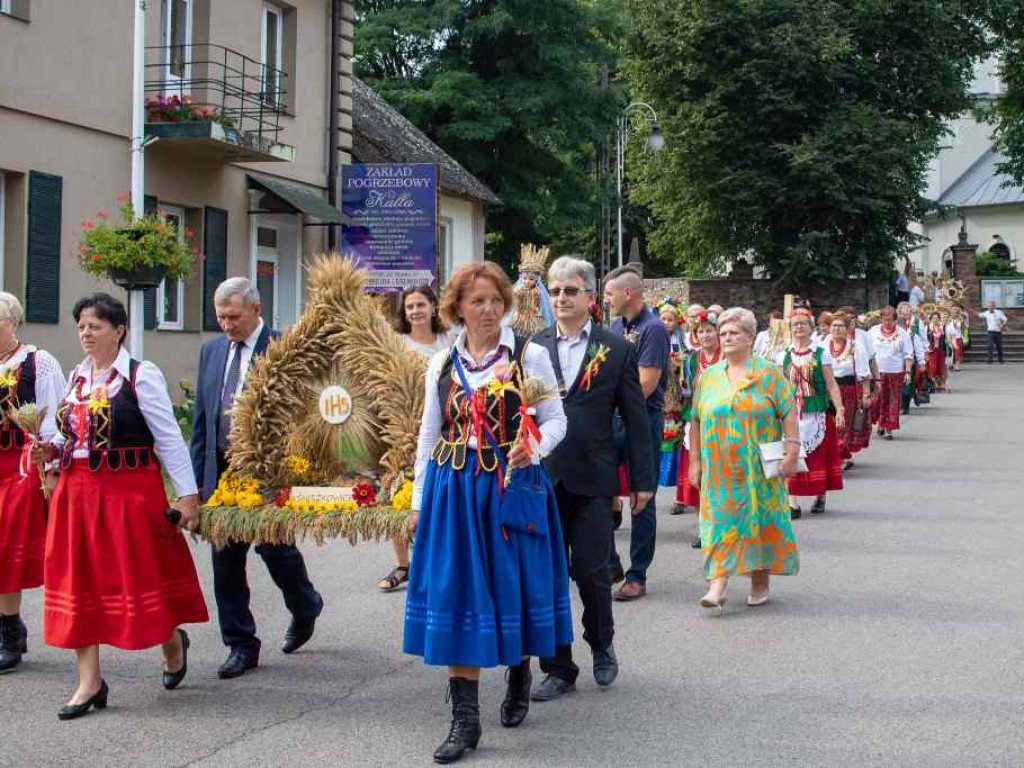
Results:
<point x="223" y="365"/>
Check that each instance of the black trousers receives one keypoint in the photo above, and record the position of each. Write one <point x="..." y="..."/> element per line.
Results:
<point x="995" y="345"/>
<point x="231" y="587"/>
<point x="588" y="533"/>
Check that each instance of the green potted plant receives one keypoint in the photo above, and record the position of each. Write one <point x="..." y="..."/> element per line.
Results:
<point x="139" y="253"/>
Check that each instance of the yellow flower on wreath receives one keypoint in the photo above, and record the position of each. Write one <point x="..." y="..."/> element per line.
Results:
<point x="403" y="499"/>
<point x="8" y="378"/>
<point x="232" y="492"/>
<point x="319" y="507"/>
<point x="299" y="467"/>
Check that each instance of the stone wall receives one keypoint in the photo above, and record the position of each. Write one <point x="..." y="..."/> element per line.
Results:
<point x="742" y="289"/>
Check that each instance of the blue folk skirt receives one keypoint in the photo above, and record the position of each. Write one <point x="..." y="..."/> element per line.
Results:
<point x="668" y="470"/>
<point x="482" y="594"/>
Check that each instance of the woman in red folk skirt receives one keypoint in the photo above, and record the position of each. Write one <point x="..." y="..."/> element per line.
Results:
<point x="853" y="375"/>
<point x="27" y="375"/>
<point x="937" y="351"/>
<point x="704" y="325"/>
<point x="809" y="368"/>
<point x="117" y="572"/>
<point x="894" y="353"/>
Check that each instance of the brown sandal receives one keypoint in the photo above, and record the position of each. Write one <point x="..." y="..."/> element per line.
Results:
<point x="398" y="576"/>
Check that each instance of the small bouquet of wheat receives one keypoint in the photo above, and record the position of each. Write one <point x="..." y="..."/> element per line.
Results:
<point x="29" y="418"/>
<point x="532" y="392"/>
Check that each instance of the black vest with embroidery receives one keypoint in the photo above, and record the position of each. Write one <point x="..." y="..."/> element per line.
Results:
<point x="119" y="435"/>
<point x="501" y="415"/>
<point x="11" y="398"/>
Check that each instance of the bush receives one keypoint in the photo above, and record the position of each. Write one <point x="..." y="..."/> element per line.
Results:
<point x="992" y="265"/>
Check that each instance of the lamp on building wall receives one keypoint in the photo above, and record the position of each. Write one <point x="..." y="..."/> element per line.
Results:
<point x="655" y="143"/>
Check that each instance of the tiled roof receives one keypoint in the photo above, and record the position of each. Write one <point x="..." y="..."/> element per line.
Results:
<point x="380" y="134"/>
<point x="982" y="184"/>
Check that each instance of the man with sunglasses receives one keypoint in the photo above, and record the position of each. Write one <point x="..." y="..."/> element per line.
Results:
<point x="598" y="375"/>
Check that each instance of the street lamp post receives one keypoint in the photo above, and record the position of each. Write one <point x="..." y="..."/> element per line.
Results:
<point x="655" y="143"/>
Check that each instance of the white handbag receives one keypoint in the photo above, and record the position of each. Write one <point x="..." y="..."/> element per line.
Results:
<point x="772" y="455"/>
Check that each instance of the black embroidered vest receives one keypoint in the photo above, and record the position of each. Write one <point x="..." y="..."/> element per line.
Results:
<point x="501" y="414"/>
<point x="119" y="435"/>
<point x="11" y="398"/>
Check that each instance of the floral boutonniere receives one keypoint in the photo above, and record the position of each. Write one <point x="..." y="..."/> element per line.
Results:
<point x="8" y="378"/>
<point x="98" y="401"/>
<point x="598" y="354"/>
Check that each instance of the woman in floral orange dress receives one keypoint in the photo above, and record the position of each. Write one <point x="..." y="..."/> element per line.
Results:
<point x="745" y="525"/>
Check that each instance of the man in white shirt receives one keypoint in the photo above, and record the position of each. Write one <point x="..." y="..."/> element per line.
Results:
<point x="995" y="321"/>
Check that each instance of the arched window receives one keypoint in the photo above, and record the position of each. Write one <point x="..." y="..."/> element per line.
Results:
<point x="1002" y="250"/>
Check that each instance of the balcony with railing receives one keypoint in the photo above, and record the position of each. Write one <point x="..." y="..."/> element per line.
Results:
<point x="216" y="98"/>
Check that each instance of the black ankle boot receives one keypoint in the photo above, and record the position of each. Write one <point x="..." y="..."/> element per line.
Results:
<point x="517" y="695"/>
<point x="13" y="642"/>
<point x="465" y="731"/>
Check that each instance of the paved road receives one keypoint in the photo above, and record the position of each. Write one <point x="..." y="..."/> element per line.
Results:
<point x="897" y="645"/>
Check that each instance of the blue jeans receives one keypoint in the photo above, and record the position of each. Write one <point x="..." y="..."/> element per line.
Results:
<point x="644" y="528"/>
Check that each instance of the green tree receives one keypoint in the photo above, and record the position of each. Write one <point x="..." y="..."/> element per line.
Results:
<point x="509" y="88"/>
<point x="799" y="131"/>
<point x="1006" y="21"/>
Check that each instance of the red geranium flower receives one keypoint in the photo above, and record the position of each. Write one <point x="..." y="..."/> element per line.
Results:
<point x="282" y="497"/>
<point x="364" y="494"/>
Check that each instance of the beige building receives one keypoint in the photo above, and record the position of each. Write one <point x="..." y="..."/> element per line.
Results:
<point x="244" y="165"/>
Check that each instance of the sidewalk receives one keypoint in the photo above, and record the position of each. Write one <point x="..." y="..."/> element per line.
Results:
<point x="898" y="644"/>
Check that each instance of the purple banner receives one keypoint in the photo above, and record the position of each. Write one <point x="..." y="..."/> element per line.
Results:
<point x="394" y="232"/>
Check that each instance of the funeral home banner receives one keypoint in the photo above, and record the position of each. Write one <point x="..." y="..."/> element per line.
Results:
<point x="393" y="211"/>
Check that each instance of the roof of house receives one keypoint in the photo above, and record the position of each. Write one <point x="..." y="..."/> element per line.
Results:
<point x="380" y="134"/>
<point x="982" y="184"/>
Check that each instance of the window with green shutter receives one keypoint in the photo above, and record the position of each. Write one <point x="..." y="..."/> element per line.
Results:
<point x="215" y="268"/>
<point x="42" y="285"/>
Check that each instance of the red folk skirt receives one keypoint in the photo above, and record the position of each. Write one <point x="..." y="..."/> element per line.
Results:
<point x="846" y="436"/>
<point x="937" y="364"/>
<point x="958" y="351"/>
<point x="890" y="397"/>
<point x="686" y="494"/>
<point x="824" y="466"/>
<point x="22" y="525"/>
<point x="117" y="573"/>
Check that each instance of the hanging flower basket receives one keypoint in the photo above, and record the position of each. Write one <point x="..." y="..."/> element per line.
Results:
<point x="140" y="278"/>
<point x="139" y="253"/>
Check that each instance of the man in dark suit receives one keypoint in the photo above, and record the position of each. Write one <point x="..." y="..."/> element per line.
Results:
<point x="598" y="374"/>
<point x="223" y="365"/>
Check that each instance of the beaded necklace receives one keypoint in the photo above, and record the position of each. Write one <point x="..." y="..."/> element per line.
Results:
<point x="471" y="365"/>
<point x="839" y="353"/>
<point x="704" y="362"/>
<point x="98" y="395"/>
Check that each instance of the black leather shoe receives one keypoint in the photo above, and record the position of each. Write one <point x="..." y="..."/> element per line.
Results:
<point x="238" y="664"/>
<point x="695" y="544"/>
<point x="606" y="666"/>
<point x="173" y="679"/>
<point x="551" y="688"/>
<point x="13" y="642"/>
<point x="615" y="575"/>
<point x="516" y="705"/>
<point x="74" y="711"/>
<point x="795" y="513"/>
<point x="819" y="506"/>
<point x="298" y="634"/>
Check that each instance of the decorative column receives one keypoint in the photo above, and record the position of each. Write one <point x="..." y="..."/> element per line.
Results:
<point x="965" y="269"/>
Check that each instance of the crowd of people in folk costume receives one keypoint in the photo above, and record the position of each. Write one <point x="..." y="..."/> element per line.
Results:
<point x="511" y="498"/>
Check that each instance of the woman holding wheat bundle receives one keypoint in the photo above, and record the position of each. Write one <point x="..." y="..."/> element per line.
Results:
<point x="486" y="586"/>
<point x="27" y="376"/>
